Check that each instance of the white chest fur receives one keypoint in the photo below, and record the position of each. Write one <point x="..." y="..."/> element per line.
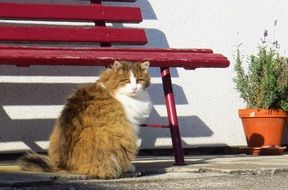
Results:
<point x="137" y="108"/>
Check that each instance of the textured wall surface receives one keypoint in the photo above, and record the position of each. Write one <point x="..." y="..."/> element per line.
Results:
<point x="207" y="101"/>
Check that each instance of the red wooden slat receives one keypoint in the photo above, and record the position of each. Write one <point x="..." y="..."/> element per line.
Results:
<point x="136" y="49"/>
<point x="104" y="58"/>
<point x="50" y="34"/>
<point x="120" y="0"/>
<point x="69" y="12"/>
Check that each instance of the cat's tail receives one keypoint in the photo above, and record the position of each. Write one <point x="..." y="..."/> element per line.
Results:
<point x="36" y="162"/>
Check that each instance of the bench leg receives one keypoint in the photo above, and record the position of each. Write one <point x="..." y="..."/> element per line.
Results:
<point x="172" y="116"/>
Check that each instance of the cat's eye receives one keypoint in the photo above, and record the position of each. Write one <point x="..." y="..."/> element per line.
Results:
<point x="125" y="81"/>
<point x="140" y="80"/>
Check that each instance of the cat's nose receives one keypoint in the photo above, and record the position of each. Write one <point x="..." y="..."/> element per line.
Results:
<point x="134" y="89"/>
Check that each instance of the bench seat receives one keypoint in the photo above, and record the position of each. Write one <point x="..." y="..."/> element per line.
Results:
<point x="186" y="58"/>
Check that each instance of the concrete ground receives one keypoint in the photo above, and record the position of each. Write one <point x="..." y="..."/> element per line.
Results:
<point x="200" y="172"/>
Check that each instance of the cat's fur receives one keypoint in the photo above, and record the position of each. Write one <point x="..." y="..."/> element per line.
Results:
<point x="96" y="133"/>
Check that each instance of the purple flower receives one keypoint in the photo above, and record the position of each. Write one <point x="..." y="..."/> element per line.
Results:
<point x="265" y="33"/>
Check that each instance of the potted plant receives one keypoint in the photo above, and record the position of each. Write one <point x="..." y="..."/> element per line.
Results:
<point x="264" y="87"/>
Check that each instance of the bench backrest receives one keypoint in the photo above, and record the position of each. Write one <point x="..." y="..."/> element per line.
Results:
<point x="47" y="34"/>
<point x="29" y="32"/>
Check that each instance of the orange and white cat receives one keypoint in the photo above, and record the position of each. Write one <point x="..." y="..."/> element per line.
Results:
<point x="96" y="132"/>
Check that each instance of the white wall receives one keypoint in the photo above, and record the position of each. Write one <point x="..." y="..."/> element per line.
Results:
<point x="206" y="99"/>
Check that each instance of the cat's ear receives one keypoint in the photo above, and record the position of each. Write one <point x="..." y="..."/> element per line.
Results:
<point x="117" y="65"/>
<point x="145" y="65"/>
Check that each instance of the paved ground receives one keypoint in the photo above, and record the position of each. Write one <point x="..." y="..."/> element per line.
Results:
<point x="201" y="172"/>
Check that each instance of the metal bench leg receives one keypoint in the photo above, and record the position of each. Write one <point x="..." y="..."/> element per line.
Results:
<point x="172" y="116"/>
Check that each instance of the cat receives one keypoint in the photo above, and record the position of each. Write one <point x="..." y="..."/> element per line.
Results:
<point x="97" y="131"/>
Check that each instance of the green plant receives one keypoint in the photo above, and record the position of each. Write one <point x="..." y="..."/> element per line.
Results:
<point x="265" y="84"/>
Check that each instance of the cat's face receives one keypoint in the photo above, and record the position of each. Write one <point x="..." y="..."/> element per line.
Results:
<point x="127" y="78"/>
<point x="131" y="86"/>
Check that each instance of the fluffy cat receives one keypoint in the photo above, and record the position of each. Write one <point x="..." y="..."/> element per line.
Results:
<point x="96" y="132"/>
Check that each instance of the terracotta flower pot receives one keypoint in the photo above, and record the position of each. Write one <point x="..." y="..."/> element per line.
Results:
<point x="264" y="130"/>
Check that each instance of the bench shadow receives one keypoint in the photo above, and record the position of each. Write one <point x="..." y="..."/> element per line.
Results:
<point x="26" y="131"/>
<point x="31" y="130"/>
<point x="74" y="71"/>
<point x="56" y="93"/>
<point x="147" y="11"/>
<point x="190" y="126"/>
<point x="78" y="71"/>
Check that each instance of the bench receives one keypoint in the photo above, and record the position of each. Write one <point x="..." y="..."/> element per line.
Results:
<point x="34" y="44"/>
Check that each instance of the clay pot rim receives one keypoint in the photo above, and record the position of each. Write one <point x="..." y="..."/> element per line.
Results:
<point x="257" y="112"/>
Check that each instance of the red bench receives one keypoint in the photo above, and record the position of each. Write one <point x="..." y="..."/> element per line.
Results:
<point x="30" y="44"/>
